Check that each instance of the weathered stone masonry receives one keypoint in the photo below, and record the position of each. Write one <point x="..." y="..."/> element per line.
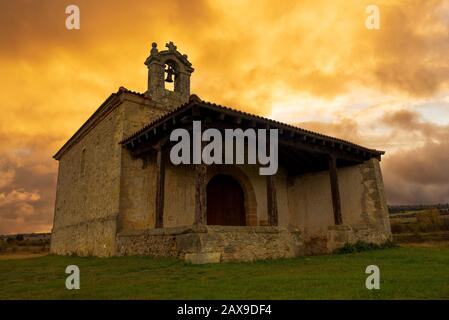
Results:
<point x="213" y="243"/>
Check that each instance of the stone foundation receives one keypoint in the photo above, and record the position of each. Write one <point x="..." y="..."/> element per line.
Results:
<point x="339" y="235"/>
<point x="92" y="238"/>
<point x="212" y="244"/>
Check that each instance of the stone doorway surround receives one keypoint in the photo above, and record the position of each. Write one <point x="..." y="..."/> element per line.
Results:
<point x="245" y="182"/>
<point x="225" y="202"/>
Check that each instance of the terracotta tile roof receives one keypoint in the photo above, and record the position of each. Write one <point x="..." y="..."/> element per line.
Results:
<point x="194" y="99"/>
<point x="142" y="95"/>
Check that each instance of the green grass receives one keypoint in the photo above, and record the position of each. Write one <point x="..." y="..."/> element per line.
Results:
<point x="406" y="273"/>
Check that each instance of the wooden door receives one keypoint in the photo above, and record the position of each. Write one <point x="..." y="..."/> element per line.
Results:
<point x="225" y="202"/>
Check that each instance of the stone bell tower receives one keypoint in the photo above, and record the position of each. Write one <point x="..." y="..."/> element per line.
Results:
<point x="164" y="67"/>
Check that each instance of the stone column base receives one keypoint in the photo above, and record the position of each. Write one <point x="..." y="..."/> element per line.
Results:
<point x="338" y="236"/>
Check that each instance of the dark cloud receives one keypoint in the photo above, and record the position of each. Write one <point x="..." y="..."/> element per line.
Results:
<point x="27" y="192"/>
<point x="412" y="121"/>
<point x="419" y="174"/>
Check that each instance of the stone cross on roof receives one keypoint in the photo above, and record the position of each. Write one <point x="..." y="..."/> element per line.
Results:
<point x="171" y="46"/>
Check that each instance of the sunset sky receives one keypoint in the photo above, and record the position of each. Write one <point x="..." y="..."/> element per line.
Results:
<point x="309" y="63"/>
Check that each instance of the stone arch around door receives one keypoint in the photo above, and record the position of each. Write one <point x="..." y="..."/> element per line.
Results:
<point x="250" y="203"/>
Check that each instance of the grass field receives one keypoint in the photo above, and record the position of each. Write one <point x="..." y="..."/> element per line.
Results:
<point x="406" y="273"/>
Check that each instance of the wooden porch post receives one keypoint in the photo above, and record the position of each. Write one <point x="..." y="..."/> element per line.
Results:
<point x="200" y="194"/>
<point x="160" y="182"/>
<point x="336" y="204"/>
<point x="272" y="207"/>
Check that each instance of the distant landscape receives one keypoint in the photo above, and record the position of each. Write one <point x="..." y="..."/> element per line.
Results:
<point x="24" y="245"/>
<point x="420" y="224"/>
<point x="393" y="209"/>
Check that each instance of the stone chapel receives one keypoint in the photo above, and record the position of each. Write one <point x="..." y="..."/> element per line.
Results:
<point x="119" y="194"/>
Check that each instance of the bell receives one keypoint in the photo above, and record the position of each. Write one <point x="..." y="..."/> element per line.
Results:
<point x="169" y="75"/>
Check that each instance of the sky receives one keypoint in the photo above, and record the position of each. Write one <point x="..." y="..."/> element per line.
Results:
<point x="313" y="64"/>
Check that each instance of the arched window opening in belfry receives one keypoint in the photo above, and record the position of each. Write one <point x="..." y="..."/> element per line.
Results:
<point x="171" y="75"/>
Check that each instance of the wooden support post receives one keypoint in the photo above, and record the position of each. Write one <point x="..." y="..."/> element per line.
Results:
<point x="160" y="182"/>
<point x="336" y="204"/>
<point x="200" y="194"/>
<point x="272" y="208"/>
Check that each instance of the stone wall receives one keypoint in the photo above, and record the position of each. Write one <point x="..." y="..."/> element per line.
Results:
<point x="138" y="180"/>
<point x="89" y="194"/>
<point x="363" y="204"/>
<point x="89" y="238"/>
<point x="213" y="243"/>
<point x="139" y="185"/>
<point x="372" y="224"/>
<point x="310" y="203"/>
<point x="179" y="199"/>
<point x="340" y="235"/>
<point x="304" y="203"/>
<point x="88" y="191"/>
<point x="374" y="203"/>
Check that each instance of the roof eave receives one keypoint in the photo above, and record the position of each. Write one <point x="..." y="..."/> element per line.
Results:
<point x="196" y="101"/>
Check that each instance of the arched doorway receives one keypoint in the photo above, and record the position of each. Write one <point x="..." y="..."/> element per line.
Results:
<point x="225" y="202"/>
